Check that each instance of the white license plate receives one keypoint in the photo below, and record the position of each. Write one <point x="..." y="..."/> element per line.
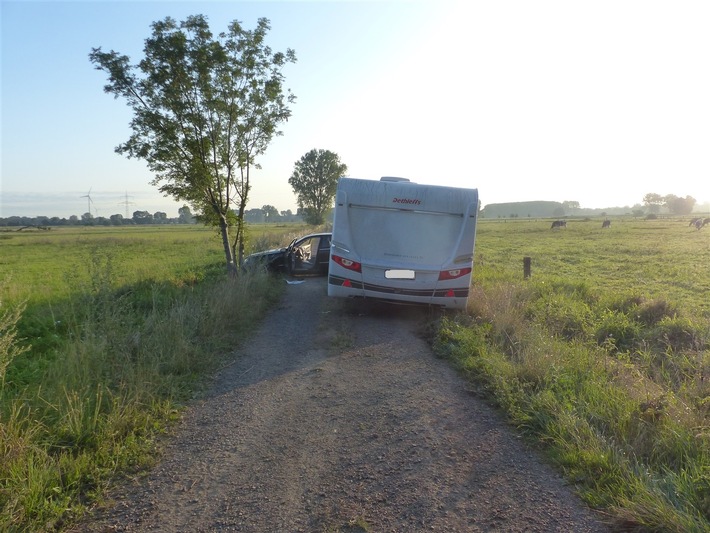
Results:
<point x="399" y="274"/>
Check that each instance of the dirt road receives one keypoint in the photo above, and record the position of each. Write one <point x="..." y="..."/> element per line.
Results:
<point x="338" y="418"/>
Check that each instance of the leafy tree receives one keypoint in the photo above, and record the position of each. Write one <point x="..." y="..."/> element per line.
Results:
<point x="271" y="214"/>
<point x="142" y="217"/>
<point x="654" y="202"/>
<point x="185" y="215"/>
<point x="680" y="206"/>
<point x="204" y="109"/>
<point x="160" y="217"/>
<point x="314" y="181"/>
<point x="254" y="215"/>
<point x="117" y="219"/>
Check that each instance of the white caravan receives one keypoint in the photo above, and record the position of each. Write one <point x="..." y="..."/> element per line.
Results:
<point x="403" y="242"/>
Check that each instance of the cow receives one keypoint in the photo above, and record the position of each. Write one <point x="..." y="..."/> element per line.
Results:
<point x="693" y="221"/>
<point x="699" y="223"/>
<point x="559" y="224"/>
<point x="606" y="224"/>
<point x="706" y="221"/>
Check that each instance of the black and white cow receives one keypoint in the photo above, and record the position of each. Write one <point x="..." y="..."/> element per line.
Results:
<point x="606" y="224"/>
<point x="559" y="224"/>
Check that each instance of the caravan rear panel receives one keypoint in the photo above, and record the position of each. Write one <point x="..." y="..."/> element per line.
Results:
<point x="403" y="242"/>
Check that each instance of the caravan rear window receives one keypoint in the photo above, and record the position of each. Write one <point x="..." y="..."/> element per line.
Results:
<point x="411" y="237"/>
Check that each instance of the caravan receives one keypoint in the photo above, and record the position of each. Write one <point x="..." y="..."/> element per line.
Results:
<point x="403" y="242"/>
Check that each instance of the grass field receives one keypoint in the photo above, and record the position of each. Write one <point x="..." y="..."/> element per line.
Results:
<point x="653" y="258"/>
<point x="104" y="334"/>
<point x="44" y="266"/>
<point x="601" y="356"/>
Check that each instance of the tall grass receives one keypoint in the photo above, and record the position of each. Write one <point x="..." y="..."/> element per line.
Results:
<point x="89" y="404"/>
<point x="612" y="383"/>
<point x="9" y="348"/>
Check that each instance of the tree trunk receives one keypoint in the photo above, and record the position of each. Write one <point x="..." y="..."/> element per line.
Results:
<point x="224" y="232"/>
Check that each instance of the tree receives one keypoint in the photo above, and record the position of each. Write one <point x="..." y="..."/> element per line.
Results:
<point x="680" y="206"/>
<point x="204" y="109"/>
<point x="142" y="217"/>
<point x="271" y="214"/>
<point x="314" y="181"/>
<point x="117" y="219"/>
<point x="654" y="202"/>
<point x="570" y="205"/>
<point x="160" y="217"/>
<point x="185" y="215"/>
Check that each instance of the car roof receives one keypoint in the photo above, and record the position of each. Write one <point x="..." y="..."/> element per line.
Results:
<point x="314" y="235"/>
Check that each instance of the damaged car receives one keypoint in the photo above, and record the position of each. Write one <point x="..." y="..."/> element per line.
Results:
<point x="304" y="256"/>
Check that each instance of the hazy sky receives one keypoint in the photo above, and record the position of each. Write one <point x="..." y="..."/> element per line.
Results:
<point x="598" y="102"/>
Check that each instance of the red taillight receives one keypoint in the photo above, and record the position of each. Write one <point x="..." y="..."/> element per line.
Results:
<point x="347" y="263"/>
<point x="453" y="273"/>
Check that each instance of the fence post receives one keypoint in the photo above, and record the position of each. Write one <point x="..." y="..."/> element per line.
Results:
<point x="527" y="261"/>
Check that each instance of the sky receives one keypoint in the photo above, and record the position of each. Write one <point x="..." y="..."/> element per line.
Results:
<point x="599" y="102"/>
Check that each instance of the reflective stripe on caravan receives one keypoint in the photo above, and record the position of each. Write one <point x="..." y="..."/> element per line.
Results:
<point x="461" y="292"/>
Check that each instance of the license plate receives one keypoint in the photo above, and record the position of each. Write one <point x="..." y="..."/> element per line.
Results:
<point x="399" y="274"/>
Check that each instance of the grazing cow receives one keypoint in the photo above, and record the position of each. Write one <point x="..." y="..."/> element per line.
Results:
<point x="699" y="223"/>
<point x="706" y="221"/>
<point x="693" y="221"/>
<point x="559" y="224"/>
<point x="606" y="224"/>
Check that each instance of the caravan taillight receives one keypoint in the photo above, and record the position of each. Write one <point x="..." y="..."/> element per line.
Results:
<point x="453" y="274"/>
<point x="347" y="263"/>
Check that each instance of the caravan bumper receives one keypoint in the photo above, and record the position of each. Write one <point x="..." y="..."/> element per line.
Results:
<point x="445" y="297"/>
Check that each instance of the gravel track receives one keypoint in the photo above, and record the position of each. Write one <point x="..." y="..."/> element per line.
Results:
<point x="337" y="417"/>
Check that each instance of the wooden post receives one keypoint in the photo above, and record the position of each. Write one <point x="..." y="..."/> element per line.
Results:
<point x="527" y="261"/>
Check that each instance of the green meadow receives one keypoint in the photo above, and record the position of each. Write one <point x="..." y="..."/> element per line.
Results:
<point x="45" y="266"/>
<point x="105" y="333"/>
<point x="661" y="258"/>
<point x="601" y="357"/>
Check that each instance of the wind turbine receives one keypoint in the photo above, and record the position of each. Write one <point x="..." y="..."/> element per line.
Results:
<point x="90" y="203"/>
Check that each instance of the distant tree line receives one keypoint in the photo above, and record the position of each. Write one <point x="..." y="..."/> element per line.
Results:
<point x="653" y="204"/>
<point x="185" y="216"/>
<point x="265" y="214"/>
<point x="269" y="214"/>
<point x="674" y="205"/>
